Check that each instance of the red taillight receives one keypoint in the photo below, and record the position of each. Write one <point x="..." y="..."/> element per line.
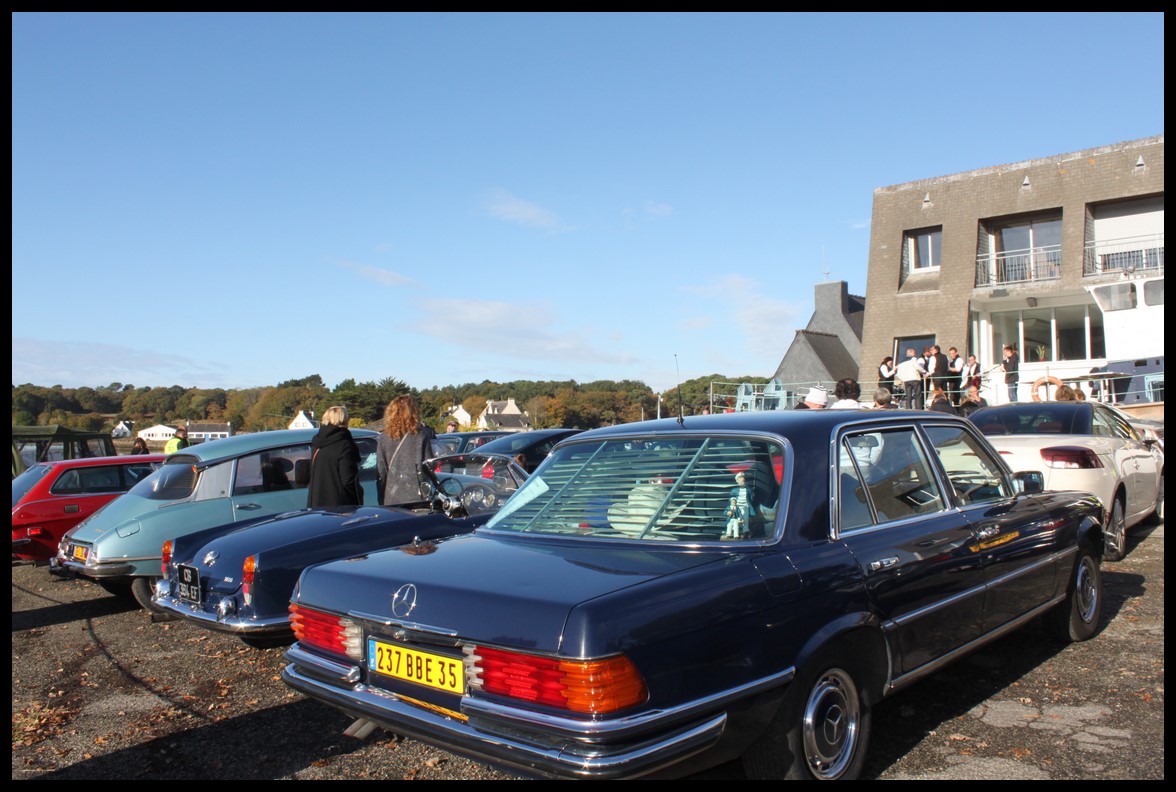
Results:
<point x="248" y="570"/>
<point x="1071" y="457"/>
<point x="586" y="686"/>
<point x="326" y="631"/>
<point x="488" y="470"/>
<point x="37" y="530"/>
<point x="166" y="558"/>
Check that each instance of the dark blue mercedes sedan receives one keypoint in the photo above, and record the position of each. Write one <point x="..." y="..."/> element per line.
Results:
<point x="665" y="596"/>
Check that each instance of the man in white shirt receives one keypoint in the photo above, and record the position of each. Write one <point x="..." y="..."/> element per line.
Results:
<point x="910" y="374"/>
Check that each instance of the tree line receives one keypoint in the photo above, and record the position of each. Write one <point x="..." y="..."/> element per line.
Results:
<point x="548" y="403"/>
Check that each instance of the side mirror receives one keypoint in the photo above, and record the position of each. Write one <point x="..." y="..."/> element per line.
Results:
<point x="1029" y="482"/>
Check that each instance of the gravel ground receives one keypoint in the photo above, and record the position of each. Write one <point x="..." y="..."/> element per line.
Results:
<point x="99" y="691"/>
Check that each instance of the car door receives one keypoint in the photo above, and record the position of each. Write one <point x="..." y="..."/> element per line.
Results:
<point x="1136" y="462"/>
<point x="917" y="554"/>
<point x="254" y="493"/>
<point x="1014" y="534"/>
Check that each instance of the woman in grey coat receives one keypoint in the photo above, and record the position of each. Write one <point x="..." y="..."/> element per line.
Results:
<point x="402" y="446"/>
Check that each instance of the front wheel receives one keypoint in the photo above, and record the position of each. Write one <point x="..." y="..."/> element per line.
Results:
<point x="141" y="588"/>
<point x="1115" y="535"/>
<point x="1076" y="618"/>
<point x="822" y="729"/>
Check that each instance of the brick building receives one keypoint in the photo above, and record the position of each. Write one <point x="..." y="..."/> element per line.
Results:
<point x="1007" y="254"/>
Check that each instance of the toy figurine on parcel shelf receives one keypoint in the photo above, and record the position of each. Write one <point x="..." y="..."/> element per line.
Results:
<point x="741" y="510"/>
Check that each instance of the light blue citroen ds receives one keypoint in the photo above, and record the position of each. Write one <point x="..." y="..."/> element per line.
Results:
<point x="232" y="480"/>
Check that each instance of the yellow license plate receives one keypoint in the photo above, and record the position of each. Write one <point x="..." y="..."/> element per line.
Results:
<point x="421" y="668"/>
<point x="79" y="553"/>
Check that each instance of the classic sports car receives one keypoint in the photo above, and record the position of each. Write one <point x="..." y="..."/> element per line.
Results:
<point x="49" y="498"/>
<point x="664" y="596"/>
<point x="238" y="579"/>
<point x="234" y="479"/>
<point x="1085" y="446"/>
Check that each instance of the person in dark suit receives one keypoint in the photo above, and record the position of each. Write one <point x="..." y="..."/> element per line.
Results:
<point x="1011" y="366"/>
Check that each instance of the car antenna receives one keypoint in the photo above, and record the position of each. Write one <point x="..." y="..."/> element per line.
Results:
<point x="681" y="418"/>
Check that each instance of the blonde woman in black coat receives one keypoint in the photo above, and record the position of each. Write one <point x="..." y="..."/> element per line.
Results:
<point x="334" y="464"/>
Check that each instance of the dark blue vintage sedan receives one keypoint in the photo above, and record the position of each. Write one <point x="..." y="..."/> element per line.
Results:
<point x="665" y="596"/>
<point x="238" y="578"/>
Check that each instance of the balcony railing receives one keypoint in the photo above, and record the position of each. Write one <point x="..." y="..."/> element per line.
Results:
<point x="1030" y="265"/>
<point x="1128" y="254"/>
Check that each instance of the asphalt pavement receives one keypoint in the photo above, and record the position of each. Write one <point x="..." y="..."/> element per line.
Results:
<point x="101" y="692"/>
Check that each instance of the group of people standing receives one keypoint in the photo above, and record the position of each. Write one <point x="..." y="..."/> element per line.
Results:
<point x="404" y="443"/>
<point x="935" y="381"/>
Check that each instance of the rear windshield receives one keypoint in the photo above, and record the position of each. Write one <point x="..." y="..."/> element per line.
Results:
<point x="1034" y="418"/>
<point x="26" y="481"/>
<point x="175" y="480"/>
<point x="684" y="489"/>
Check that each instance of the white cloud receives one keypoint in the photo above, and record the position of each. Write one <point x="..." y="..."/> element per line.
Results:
<point x="765" y="324"/>
<point x="381" y="276"/>
<point x="504" y="206"/>
<point x="658" y="209"/>
<point x="80" y="364"/>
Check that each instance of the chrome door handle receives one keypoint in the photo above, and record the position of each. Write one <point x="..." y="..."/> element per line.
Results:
<point x="248" y="506"/>
<point x="884" y="563"/>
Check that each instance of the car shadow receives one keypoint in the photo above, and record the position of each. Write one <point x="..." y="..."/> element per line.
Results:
<point x="215" y="751"/>
<point x="903" y="721"/>
<point x="66" y="612"/>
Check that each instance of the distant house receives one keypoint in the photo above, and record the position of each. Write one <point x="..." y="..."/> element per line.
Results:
<point x="303" y="421"/>
<point x="199" y="432"/>
<point x="829" y="347"/>
<point x="123" y="429"/>
<point x="504" y="416"/>
<point x="459" y="414"/>
<point x="160" y="433"/>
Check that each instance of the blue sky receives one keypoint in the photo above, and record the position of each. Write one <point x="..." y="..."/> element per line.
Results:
<point x="234" y="200"/>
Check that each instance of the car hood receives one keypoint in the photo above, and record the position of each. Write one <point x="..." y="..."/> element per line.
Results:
<point x="487" y="587"/>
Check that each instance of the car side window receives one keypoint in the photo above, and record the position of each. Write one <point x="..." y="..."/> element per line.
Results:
<point x="133" y="474"/>
<point x="368" y="467"/>
<point x="974" y="475"/>
<point x="68" y="483"/>
<point x="897" y="473"/>
<point x="272" y="470"/>
<point x="1101" y="425"/>
<point x="89" y="480"/>
<point x="1113" y="426"/>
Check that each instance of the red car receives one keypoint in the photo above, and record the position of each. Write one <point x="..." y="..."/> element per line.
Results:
<point x="51" y="497"/>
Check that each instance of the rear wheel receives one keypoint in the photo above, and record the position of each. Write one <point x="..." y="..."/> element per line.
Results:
<point x="822" y="728"/>
<point x="141" y="588"/>
<point x="1115" y="535"/>
<point x="1077" y="617"/>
